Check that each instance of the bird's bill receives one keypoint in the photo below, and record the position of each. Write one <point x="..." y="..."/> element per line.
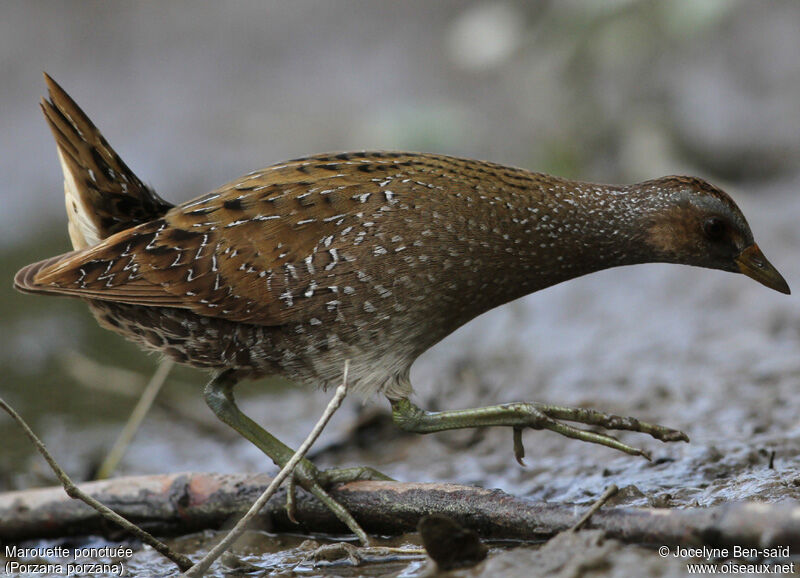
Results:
<point x="754" y="264"/>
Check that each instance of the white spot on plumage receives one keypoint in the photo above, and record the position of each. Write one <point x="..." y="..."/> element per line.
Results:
<point x="334" y="259"/>
<point x="287" y="296"/>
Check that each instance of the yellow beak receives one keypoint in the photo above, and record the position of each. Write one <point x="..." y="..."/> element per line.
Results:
<point x="754" y="264"/>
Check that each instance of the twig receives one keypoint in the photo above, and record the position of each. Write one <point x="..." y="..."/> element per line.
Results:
<point x="96" y="376"/>
<point x="102" y="377"/>
<point x="177" y="504"/>
<point x="203" y="565"/>
<point x="74" y="492"/>
<point x="139" y="412"/>
<point x="610" y="492"/>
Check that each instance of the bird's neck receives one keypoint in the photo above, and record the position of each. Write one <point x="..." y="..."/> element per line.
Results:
<point x="564" y="229"/>
<point x="508" y="241"/>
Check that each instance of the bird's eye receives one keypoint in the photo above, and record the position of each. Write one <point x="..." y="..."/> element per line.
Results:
<point x="714" y="228"/>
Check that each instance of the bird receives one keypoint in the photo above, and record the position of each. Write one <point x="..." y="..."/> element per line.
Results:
<point x="368" y="257"/>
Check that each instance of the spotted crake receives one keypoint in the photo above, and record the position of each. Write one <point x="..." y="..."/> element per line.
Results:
<point x="371" y="257"/>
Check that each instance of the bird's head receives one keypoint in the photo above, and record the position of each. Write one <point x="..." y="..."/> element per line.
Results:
<point x="698" y="224"/>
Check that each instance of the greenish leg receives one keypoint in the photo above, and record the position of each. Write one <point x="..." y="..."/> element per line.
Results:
<point x="345" y="475"/>
<point x="518" y="416"/>
<point x="219" y="397"/>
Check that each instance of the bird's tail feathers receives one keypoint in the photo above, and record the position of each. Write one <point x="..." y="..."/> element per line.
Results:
<point x="103" y="196"/>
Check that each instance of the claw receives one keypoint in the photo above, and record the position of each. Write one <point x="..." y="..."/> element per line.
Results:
<point x="675" y="436"/>
<point x="519" y="449"/>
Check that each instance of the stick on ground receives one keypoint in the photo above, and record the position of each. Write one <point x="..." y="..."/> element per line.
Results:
<point x="178" y="504"/>
<point x="610" y="492"/>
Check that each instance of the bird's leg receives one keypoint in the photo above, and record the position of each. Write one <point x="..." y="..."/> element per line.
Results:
<point x="518" y="416"/>
<point x="219" y="397"/>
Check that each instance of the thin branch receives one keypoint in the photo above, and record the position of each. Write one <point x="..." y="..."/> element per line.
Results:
<point x="610" y="492"/>
<point x="138" y="414"/>
<point x="74" y="492"/>
<point x="111" y="379"/>
<point x="205" y="563"/>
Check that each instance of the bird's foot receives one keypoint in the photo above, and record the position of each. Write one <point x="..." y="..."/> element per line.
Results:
<point x="219" y="397"/>
<point x="317" y="482"/>
<point x="552" y="417"/>
<point x="520" y="416"/>
<point x="338" y="552"/>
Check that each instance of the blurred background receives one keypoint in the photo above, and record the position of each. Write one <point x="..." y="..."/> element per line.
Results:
<point x="193" y="94"/>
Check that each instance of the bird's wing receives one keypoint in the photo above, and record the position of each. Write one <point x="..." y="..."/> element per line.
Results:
<point x="265" y="250"/>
